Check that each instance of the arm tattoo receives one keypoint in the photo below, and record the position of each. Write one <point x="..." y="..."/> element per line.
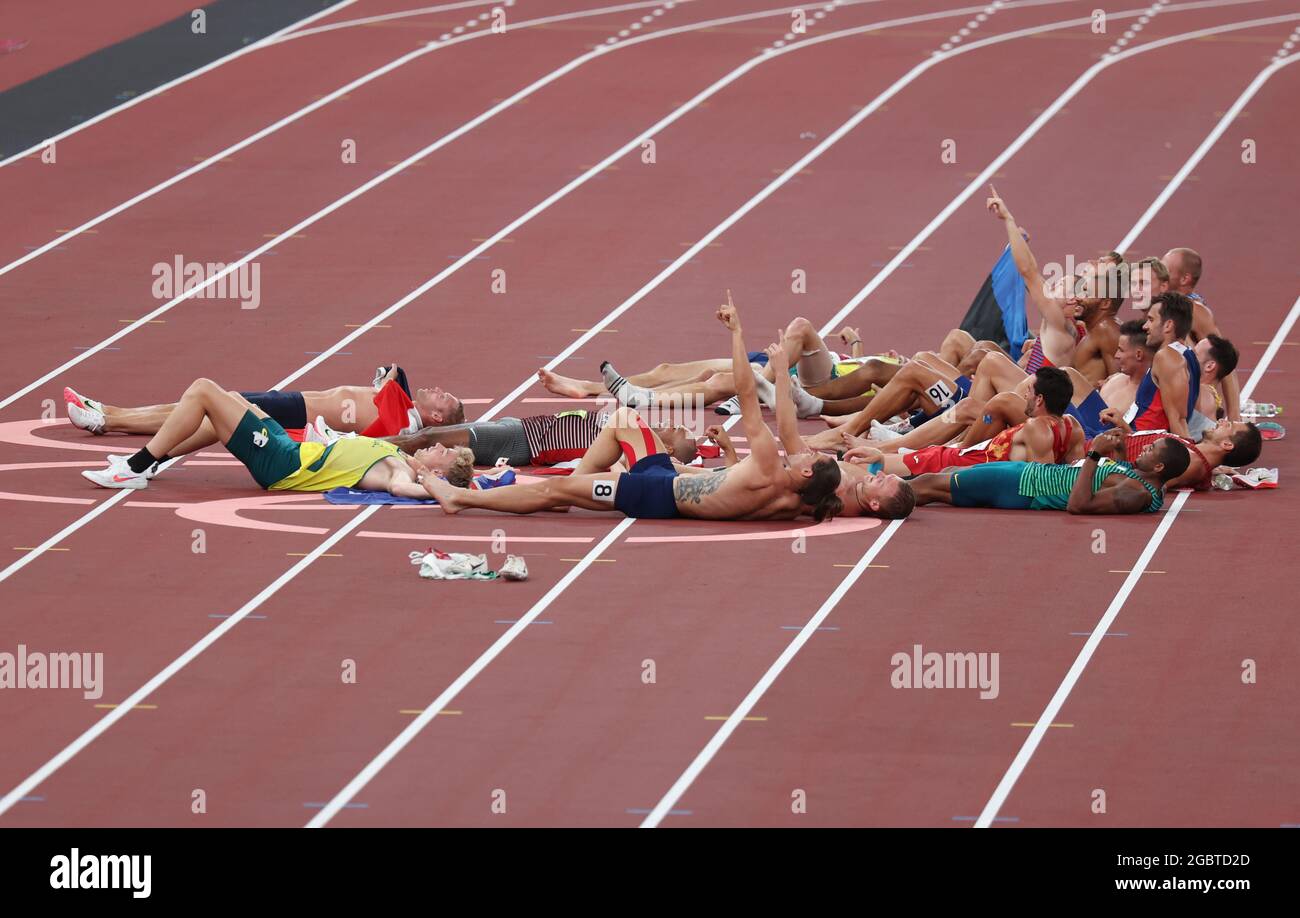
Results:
<point x="694" y="488"/>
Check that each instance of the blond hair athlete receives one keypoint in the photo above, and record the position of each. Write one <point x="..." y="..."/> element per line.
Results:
<point x="278" y="463"/>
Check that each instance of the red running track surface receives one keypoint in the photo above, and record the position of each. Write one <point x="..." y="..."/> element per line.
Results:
<point x="560" y="722"/>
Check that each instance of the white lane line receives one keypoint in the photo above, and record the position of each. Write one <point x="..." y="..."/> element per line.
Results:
<point x="284" y="122"/>
<point x="794" y="169"/>
<point x="981" y="180"/>
<point x="113" y="716"/>
<point x="701" y="761"/>
<point x="402" y="739"/>
<point x="136" y="100"/>
<point x="1030" y="746"/>
<point x="577" y="570"/>
<point x="386" y="17"/>
<point x="416" y="157"/>
<point x="500" y="234"/>
<point x="386" y="755"/>
<point x="683" y="783"/>
<point x="1195" y="160"/>
<point x="62" y="534"/>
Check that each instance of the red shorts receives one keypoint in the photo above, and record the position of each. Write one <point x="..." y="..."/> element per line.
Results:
<point x="938" y="458"/>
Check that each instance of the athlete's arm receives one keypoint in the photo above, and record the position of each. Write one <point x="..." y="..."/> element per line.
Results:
<point x="1055" y="324"/>
<point x="762" y="445"/>
<point x="421" y="439"/>
<point x="787" y="423"/>
<point x="718" y="434"/>
<point x="1121" y="496"/>
<point x="1171" y="368"/>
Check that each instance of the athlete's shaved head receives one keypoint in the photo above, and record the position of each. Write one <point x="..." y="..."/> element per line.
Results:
<point x="1184" y="268"/>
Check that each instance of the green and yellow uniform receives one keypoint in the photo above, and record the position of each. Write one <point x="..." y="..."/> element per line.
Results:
<point x="279" y="463"/>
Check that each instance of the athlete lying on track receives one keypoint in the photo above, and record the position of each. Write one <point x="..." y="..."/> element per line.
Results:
<point x="278" y="463"/>
<point x="383" y="409"/>
<point x="544" y="439"/>
<point x="758" y="487"/>
<point x="1091" y="487"/>
<point x="827" y="381"/>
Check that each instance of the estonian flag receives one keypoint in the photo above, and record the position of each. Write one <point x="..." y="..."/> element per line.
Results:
<point x="998" y="311"/>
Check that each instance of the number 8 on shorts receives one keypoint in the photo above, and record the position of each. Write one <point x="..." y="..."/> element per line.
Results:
<point x="602" y="491"/>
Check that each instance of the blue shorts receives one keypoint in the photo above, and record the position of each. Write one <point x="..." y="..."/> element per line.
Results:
<point x="1088" y="414"/>
<point x="917" y="418"/>
<point x="646" y="491"/>
<point x="288" y="409"/>
<point x="992" y="484"/>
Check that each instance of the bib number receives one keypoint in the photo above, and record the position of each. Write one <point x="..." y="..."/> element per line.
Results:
<point x="602" y="491"/>
<point x="940" y="394"/>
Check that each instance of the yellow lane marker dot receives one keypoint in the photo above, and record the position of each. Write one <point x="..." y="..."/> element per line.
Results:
<point x="725" y="716"/>
<point x="421" y="711"/>
<point x="1050" y="725"/>
<point x="138" y="707"/>
<point x="30" y="548"/>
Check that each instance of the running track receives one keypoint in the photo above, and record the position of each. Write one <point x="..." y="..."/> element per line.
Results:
<point x="559" y="718"/>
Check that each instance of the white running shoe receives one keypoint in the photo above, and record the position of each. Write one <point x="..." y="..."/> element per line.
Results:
<point x="729" y="407"/>
<point x="114" y="459"/>
<point x="84" y="413"/>
<point x="118" y="475"/>
<point x="514" y="568"/>
<point x="882" y="433"/>
<point x="320" y="432"/>
<point x="468" y="566"/>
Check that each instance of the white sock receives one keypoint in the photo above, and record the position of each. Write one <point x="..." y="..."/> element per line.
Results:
<point x="805" y="405"/>
<point x="766" y="390"/>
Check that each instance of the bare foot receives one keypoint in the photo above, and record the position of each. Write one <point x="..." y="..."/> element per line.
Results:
<point x="835" y="420"/>
<point x="569" y="388"/>
<point x="827" y="439"/>
<point x="447" y="496"/>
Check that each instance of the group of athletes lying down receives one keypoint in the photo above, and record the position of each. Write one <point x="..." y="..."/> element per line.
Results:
<point x="1097" y="416"/>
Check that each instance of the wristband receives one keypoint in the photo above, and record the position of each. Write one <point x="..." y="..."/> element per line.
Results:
<point x="1094" y="455"/>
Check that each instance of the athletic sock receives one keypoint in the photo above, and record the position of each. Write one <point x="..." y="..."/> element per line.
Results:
<point x="805" y="405"/>
<point x="766" y="389"/>
<point x="626" y="393"/>
<point x="141" y="461"/>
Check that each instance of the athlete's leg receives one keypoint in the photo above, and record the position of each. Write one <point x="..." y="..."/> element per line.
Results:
<point x="1004" y="410"/>
<point x="807" y="352"/>
<point x="551" y="494"/>
<point x="956" y="345"/>
<point x="622" y="437"/>
<point x="146" y="419"/>
<point x="204" y="399"/>
<point x="872" y="374"/>
<point x="996" y="373"/>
